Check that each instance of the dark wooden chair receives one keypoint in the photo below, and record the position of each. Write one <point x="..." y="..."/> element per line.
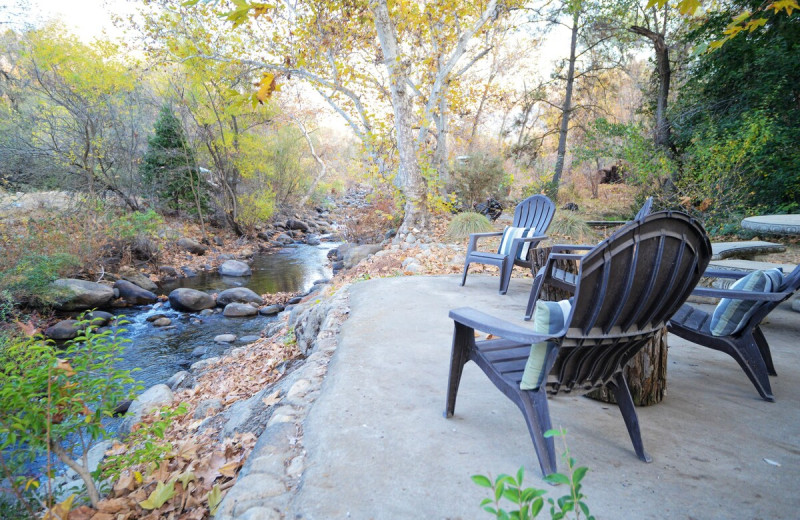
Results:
<point x="748" y="346"/>
<point x="562" y="278"/>
<point x="626" y="289"/>
<point x="535" y="212"/>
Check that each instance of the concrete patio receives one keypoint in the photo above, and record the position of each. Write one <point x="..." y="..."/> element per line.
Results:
<point x="378" y="446"/>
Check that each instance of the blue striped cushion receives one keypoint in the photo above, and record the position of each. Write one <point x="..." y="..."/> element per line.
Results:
<point x="548" y="318"/>
<point x="509" y="234"/>
<point x="731" y="315"/>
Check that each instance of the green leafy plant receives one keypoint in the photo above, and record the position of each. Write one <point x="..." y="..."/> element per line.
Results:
<point x="465" y="223"/>
<point x="137" y="224"/>
<point x="54" y="401"/>
<point x="477" y="177"/>
<point x="529" y="501"/>
<point x="29" y="281"/>
<point x="544" y="185"/>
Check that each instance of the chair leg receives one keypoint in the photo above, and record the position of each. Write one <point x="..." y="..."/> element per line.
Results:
<point x="505" y="274"/>
<point x="746" y="352"/>
<point x="625" y="403"/>
<point x="763" y="347"/>
<point x="466" y="268"/>
<point x="537" y="416"/>
<point x="463" y="341"/>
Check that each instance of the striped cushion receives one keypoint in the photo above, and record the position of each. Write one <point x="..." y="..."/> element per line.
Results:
<point x="731" y="315"/>
<point x="509" y="234"/>
<point x="548" y="318"/>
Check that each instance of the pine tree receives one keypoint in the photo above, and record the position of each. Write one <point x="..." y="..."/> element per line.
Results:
<point x="169" y="166"/>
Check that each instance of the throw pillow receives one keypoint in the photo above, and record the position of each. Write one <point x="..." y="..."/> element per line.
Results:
<point x="731" y="315"/>
<point x="548" y="318"/>
<point x="509" y="234"/>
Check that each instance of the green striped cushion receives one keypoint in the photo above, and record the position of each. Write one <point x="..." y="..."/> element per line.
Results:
<point x="509" y="234"/>
<point x="731" y="315"/>
<point x="548" y="318"/>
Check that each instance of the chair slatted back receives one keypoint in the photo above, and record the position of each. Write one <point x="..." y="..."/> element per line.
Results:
<point x="534" y="212"/>
<point x="645" y="209"/>
<point x="628" y="287"/>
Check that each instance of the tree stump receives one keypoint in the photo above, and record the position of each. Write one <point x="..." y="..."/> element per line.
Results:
<point x="646" y="373"/>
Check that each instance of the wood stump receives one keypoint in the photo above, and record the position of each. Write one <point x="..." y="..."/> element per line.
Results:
<point x="646" y="373"/>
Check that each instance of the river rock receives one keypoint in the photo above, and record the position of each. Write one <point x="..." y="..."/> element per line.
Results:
<point x="356" y="254"/>
<point x="168" y="271"/>
<point x="206" y="312"/>
<point x="63" y="330"/>
<point x="207" y="407"/>
<point x="313" y="240"/>
<point x="239" y="295"/>
<point x="78" y="295"/>
<point x="296" y="224"/>
<point x="190" y="300"/>
<point x="155" y="317"/>
<point x="238" y="310"/>
<point x="151" y="399"/>
<point x="200" y="351"/>
<point x="283" y="238"/>
<point x="179" y="380"/>
<point x="133" y="294"/>
<point x="192" y="246"/>
<point x="162" y="322"/>
<point x="138" y="278"/>
<point x="271" y="310"/>
<point x="235" y="268"/>
<point x="188" y="271"/>
<point x="98" y="318"/>
<point x="225" y="338"/>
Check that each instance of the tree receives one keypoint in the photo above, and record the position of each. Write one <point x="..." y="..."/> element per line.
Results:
<point x="169" y="166"/>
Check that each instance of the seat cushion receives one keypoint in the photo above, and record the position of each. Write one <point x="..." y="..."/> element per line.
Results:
<point x="731" y="315"/>
<point x="509" y="234"/>
<point x="548" y="318"/>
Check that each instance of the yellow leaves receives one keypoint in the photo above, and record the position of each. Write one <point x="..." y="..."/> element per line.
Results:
<point x="266" y="86"/>
<point x="214" y="499"/>
<point x="784" y="5"/>
<point x="61" y="510"/>
<point x="159" y="496"/>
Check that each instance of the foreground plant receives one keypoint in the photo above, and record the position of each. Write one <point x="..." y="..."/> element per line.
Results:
<point x="54" y="402"/>
<point x="530" y="501"/>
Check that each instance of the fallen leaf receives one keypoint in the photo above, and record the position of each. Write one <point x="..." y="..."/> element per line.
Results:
<point x="272" y="399"/>
<point x="60" y="510"/>
<point x="159" y="496"/>
<point x="214" y="499"/>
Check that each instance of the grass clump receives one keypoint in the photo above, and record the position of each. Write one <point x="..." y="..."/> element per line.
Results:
<point x="465" y="223"/>
<point x="570" y="225"/>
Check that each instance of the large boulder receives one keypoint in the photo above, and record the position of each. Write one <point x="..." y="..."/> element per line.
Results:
<point x="296" y="224"/>
<point x="192" y="246"/>
<point x="238" y="310"/>
<point x="235" y="268"/>
<point x="190" y="300"/>
<point x="355" y="254"/>
<point x="139" y="279"/>
<point x="79" y="295"/>
<point x="63" y="330"/>
<point x="133" y="294"/>
<point x="239" y="295"/>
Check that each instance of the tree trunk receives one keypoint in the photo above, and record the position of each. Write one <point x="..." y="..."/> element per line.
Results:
<point x="412" y="182"/>
<point x="566" y="109"/>
<point x="662" y="136"/>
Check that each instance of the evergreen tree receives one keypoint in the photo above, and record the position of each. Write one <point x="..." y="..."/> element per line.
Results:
<point x="169" y="166"/>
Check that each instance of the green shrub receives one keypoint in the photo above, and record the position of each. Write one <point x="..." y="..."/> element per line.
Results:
<point x="29" y="281"/>
<point x="55" y="401"/>
<point x="137" y="224"/>
<point x="477" y="178"/>
<point x="544" y="185"/>
<point x="465" y="223"/>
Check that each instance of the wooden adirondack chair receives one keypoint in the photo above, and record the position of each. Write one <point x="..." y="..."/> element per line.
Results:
<point x="746" y="344"/>
<point x="534" y="213"/>
<point x="626" y="289"/>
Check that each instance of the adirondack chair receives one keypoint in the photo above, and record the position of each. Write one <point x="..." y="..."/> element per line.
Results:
<point x="533" y="214"/>
<point x="564" y="279"/>
<point x="626" y="289"/>
<point x="744" y="341"/>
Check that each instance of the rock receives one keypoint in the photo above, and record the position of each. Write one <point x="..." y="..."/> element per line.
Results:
<point x="133" y="294"/>
<point x="271" y="310"/>
<point x="296" y="224"/>
<point x="238" y="295"/>
<point x="79" y="295"/>
<point x="188" y="271"/>
<point x="203" y="364"/>
<point x="151" y="399"/>
<point x="225" y="338"/>
<point x="63" y="330"/>
<point x="235" y="268"/>
<point x="295" y="300"/>
<point x="200" y="351"/>
<point x="190" y="300"/>
<point x="264" y="235"/>
<point x="206" y="312"/>
<point x="249" y="339"/>
<point x="162" y="322"/>
<point x="135" y="277"/>
<point x="99" y="318"/>
<point x="204" y="407"/>
<point x="355" y="254"/>
<point x="283" y="238"/>
<point x="122" y="408"/>
<point x="168" y="271"/>
<point x="246" y="252"/>
<point x="219" y="242"/>
<point x="196" y="248"/>
<point x="155" y="317"/>
<point x="238" y="310"/>
<point x="179" y="380"/>
<point x="313" y="240"/>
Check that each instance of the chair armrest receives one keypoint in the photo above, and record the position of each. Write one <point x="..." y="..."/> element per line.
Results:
<point x="479" y="320"/>
<point x="557" y="248"/>
<point x="739" y="295"/>
<point x="473" y="239"/>
<point x="724" y="273"/>
<point x="536" y="238"/>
